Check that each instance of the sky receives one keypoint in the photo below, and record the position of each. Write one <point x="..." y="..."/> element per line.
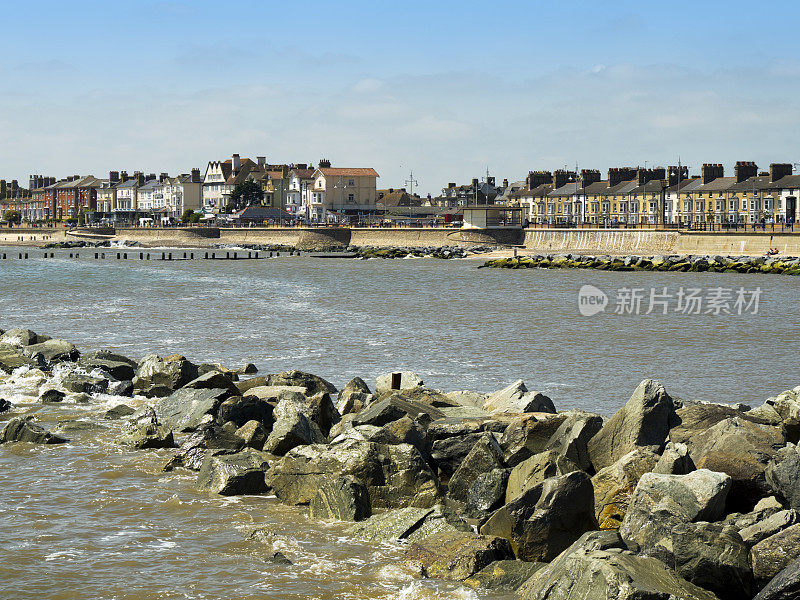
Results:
<point x="444" y="89"/>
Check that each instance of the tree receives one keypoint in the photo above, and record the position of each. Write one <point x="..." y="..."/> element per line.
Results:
<point x="187" y="215"/>
<point x="12" y="216"/>
<point x="245" y="194"/>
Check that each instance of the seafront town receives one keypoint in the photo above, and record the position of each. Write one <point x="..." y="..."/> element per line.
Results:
<point x="242" y="191"/>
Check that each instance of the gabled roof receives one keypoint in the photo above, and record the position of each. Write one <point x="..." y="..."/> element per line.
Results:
<point x="347" y="172"/>
<point x="787" y="182"/>
<point x="246" y="168"/>
<point x="717" y="185"/>
<point x="302" y="173"/>
<point x="686" y="184"/>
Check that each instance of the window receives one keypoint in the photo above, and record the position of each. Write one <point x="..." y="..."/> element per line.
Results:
<point x="351" y="182"/>
<point x="351" y="198"/>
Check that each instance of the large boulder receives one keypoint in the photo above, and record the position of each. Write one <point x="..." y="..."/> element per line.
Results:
<point x="311" y="383"/>
<point x="457" y="555"/>
<point x="487" y="493"/>
<point x="408" y="380"/>
<point x="742" y="449"/>
<point x="787" y="405"/>
<point x="319" y="409"/>
<point x="533" y="471"/>
<point x="23" y="429"/>
<point x="395" y="475"/>
<point x="158" y="377"/>
<point x="546" y="519"/>
<point x="12" y="357"/>
<point x="239" y="410"/>
<point x="52" y="351"/>
<point x="186" y="409"/>
<point x="340" y="498"/>
<point x="769" y="526"/>
<point x="661" y="502"/>
<point x="485" y="456"/>
<point x="784" y="586"/>
<point x="78" y="383"/>
<point x="775" y="553"/>
<point x="783" y="476"/>
<point x="611" y="574"/>
<point x="253" y="434"/>
<point x="517" y="399"/>
<point x="644" y="422"/>
<point x="213" y="380"/>
<point x="192" y="451"/>
<point x="291" y="431"/>
<point x="409" y="524"/>
<point x="448" y="453"/>
<point x="504" y="575"/>
<point x="529" y="435"/>
<point x="118" y="366"/>
<point x="571" y="439"/>
<point x="394" y="408"/>
<point x="234" y="474"/>
<point x="22" y="337"/>
<point x="353" y="397"/>
<point x="615" y="484"/>
<point x="145" y="432"/>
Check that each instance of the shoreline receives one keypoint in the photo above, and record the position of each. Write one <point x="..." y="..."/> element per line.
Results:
<point x="497" y="489"/>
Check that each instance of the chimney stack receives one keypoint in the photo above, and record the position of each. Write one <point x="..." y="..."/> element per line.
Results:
<point x="619" y="174"/>
<point x="745" y="170"/>
<point x="237" y="163"/>
<point x="589" y="176"/>
<point x="2" y="188"/>
<point x="710" y="172"/>
<point x="195" y="175"/>
<point x="113" y="177"/>
<point x="505" y="183"/>
<point x="778" y="171"/>
<point x="673" y="174"/>
<point x="563" y="177"/>
<point x="324" y="163"/>
<point x="163" y="177"/>
<point x="262" y="161"/>
<point x="537" y="178"/>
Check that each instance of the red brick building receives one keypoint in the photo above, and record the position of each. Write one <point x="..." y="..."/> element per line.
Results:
<point x="75" y="194"/>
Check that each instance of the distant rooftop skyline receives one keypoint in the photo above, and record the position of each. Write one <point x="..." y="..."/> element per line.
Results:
<point x="446" y="89"/>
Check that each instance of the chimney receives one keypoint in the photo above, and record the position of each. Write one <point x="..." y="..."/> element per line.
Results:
<point x="562" y="177"/>
<point x="589" y="176"/>
<point x="451" y="184"/>
<point x="474" y="183"/>
<point x="140" y="178"/>
<point x="490" y="181"/>
<point x="124" y="176"/>
<point x="195" y="175"/>
<point x="237" y="163"/>
<point x="710" y="172"/>
<point x="537" y="178"/>
<point x="324" y="163"/>
<point x="673" y="174"/>
<point x="2" y="188"/>
<point x="262" y="161"/>
<point x="113" y="177"/>
<point x="391" y="190"/>
<point x="505" y="183"/>
<point x="32" y="182"/>
<point x="778" y="171"/>
<point x="619" y="174"/>
<point x="745" y="170"/>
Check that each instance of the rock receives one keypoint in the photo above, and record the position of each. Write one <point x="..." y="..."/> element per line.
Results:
<point x="23" y="429"/>
<point x="354" y="386"/>
<point x="784" y="586"/>
<point x="192" y="451"/>
<point x="546" y="519"/>
<point x="742" y="449"/>
<point x="783" y="476"/>
<point x="85" y="384"/>
<point x="528" y="436"/>
<point x="213" y="380"/>
<point x="241" y="410"/>
<point x="644" y="422"/>
<point x="485" y="456"/>
<point x="402" y="431"/>
<point x="5" y="405"/>
<point x="396" y="476"/>
<point x="410" y="523"/>
<point x="118" y="366"/>
<point x="291" y="431"/>
<point x="457" y="555"/>
<point x="448" y="427"/>
<point x="186" y="409"/>
<point x="517" y="399"/>
<point x="279" y="558"/>
<point x="234" y="474"/>
<point x="660" y="502"/>
<point x="533" y="471"/>
<point x="787" y="405"/>
<point x="614" y="486"/>
<point x="408" y="380"/>
<point x="675" y="460"/>
<point x="467" y="398"/>
<point x="504" y="575"/>
<point x="696" y="418"/>
<point x="487" y="493"/>
<point x="775" y="553"/>
<point x="353" y="402"/>
<point x="119" y="411"/>
<point x="448" y="453"/>
<point x="769" y="526"/>
<point x="21" y="337"/>
<point x="709" y="555"/>
<point x="248" y="369"/>
<point x="322" y="411"/>
<point x="52" y="351"/>
<point x="572" y="437"/>
<point x="608" y="574"/>
<point x="11" y="357"/>
<point x="340" y="498"/>
<point x="391" y="409"/>
<point x="253" y="434"/>
<point x="52" y="396"/>
<point x="144" y="436"/>
<point x="160" y="377"/>
<point x="311" y="383"/>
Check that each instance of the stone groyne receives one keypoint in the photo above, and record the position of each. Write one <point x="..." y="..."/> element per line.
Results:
<point x="665" y="499"/>
<point x="775" y="265"/>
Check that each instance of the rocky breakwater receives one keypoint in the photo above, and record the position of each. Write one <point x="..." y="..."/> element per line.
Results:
<point x="444" y="252"/>
<point x="667" y="498"/>
<point x="776" y="265"/>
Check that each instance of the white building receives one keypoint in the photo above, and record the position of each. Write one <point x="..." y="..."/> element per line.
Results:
<point x="298" y="196"/>
<point x="340" y="193"/>
<point x="221" y="177"/>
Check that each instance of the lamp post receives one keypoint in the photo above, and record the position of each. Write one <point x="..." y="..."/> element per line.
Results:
<point x="341" y="185"/>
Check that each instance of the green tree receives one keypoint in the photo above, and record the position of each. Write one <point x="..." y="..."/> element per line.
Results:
<point x="245" y="194"/>
<point x="12" y="216"/>
<point x="186" y="217"/>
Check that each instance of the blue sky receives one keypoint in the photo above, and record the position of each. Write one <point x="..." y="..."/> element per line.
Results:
<point x="446" y="89"/>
